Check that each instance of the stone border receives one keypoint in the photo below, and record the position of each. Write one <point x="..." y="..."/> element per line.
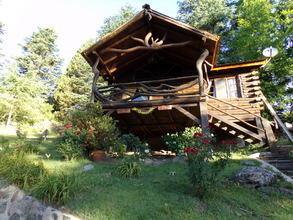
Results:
<point x="16" y="205"/>
<point x="267" y="165"/>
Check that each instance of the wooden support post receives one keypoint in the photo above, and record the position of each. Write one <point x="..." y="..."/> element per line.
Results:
<point x="260" y="132"/>
<point x="202" y="104"/>
<point x="271" y="139"/>
<point x="204" y="118"/>
<point x="276" y="117"/>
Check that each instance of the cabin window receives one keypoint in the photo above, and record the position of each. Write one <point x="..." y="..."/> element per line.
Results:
<point x="226" y="88"/>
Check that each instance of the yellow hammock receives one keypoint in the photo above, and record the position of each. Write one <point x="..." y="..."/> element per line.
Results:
<point x="143" y="111"/>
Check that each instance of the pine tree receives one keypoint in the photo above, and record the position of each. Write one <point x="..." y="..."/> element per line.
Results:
<point x="74" y="86"/>
<point x="210" y="15"/>
<point x="113" y="22"/>
<point x="40" y="58"/>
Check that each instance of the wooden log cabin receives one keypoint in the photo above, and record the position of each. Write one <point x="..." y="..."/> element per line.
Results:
<point x="163" y="76"/>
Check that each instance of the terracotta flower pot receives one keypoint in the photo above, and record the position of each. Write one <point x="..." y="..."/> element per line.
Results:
<point x="98" y="155"/>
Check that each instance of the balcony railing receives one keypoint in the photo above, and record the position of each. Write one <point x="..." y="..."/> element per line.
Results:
<point x="171" y="88"/>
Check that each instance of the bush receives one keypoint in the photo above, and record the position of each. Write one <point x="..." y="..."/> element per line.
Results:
<point x="91" y="128"/>
<point x="129" y="167"/>
<point x="133" y="143"/>
<point x="178" y="141"/>
<point x="70" y="150"/>
<point x="206" y="159"/>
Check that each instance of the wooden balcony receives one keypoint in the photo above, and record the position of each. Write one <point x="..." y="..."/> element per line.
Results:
<point x="180" y="90"/>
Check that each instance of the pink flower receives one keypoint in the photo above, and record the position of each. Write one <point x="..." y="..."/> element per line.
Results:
<point x="196" y="134"/>
<point x="205" y="141"/>
<point x="68" y="126"/>
<point x="78" y="132"/>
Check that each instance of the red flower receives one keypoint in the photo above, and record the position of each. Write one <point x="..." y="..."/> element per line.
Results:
<point x="78" y="132"/>
<point x="187" y="149"/>
<point x="223" y="142"/>
<point x="68" y="126"/>
<point x="233" y="142"/>
<point x="210" y="127"/>
<point x="205" y="141"/>
<point x="196" y="134"/>
<point x="194" y="149"/>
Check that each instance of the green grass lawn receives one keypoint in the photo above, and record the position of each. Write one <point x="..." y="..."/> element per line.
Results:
<point x="158" y="195"/>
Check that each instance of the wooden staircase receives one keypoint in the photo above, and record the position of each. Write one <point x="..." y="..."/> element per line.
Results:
<point x="236" y="129"/>
<point x="240" y="121"/>
<point x="280" y="159"/>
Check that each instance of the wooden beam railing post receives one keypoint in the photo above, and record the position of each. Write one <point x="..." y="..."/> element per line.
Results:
<point x="276" y="117"/>
<point x="202" y="104"/>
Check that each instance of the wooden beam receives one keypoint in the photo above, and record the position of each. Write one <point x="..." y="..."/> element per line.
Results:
<point x="259" y="124"/>
<point x="274" y="114"/>
<point x="187" y="113"/>
<point x="271" y="139"/>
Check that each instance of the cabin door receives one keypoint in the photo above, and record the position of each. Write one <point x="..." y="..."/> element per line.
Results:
<point x="226" y="88"/>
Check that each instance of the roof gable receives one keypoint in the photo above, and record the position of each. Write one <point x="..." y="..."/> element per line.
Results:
<point x="181" y="42"/>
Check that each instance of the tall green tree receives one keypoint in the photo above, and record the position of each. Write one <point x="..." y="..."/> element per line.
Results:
<point x="74" y="86"/>
<point x="1" y="55"/>
<point x="40" y="59"/>
<point x="260" y="24"/>
<point x="20" y="100"/>
<point x="111" y="23"/>
<point x="210" y="15"/>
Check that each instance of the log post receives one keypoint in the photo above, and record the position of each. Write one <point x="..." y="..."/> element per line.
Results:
<point x="202" y="104"/>
<point x="96" y="76"/>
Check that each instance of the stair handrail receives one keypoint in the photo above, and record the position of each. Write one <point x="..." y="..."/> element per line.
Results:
<point x="276" y="117"/>
<point x="237" y="107"/>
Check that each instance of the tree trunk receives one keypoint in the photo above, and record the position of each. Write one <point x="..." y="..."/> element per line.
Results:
<point x="9" y="116"/>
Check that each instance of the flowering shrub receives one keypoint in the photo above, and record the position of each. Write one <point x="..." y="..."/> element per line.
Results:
<point x="178" y="141"/>
<point x="206" y="159"/>
<point x="87" y="129"/>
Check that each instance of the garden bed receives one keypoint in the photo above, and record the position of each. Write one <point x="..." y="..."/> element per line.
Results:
<point x="161" y="192"/>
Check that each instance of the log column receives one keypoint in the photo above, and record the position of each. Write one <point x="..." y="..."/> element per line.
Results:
<point x="202" y="104"/>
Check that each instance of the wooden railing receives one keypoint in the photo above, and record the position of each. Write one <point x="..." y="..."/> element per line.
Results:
<point x="148" y="90"/>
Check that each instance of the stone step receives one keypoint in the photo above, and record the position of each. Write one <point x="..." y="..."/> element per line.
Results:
<point x="279" y="161"/>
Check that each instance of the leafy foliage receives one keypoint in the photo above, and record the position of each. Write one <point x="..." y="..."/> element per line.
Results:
<point x="133" y="143"/>
<point x="113" y="22"/>
<point x="209" y="15"/>
<point x="205" y="161"/>
<point x="70" y="149"/>
<point x="95" y="130"/>
<point x="178" y="141"/>
<point x="40" y="59"/>
<point x="260" y="24"/>
<point x="74" y="86"/>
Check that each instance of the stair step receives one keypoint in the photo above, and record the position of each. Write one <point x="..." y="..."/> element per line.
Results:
<point x="279" y="161"/>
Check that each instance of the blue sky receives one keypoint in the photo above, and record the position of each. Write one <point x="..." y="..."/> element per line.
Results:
<point x="75" y="21"/>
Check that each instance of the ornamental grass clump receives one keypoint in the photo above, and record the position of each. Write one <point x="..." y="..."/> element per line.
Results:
<point x="206" y="159"/>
